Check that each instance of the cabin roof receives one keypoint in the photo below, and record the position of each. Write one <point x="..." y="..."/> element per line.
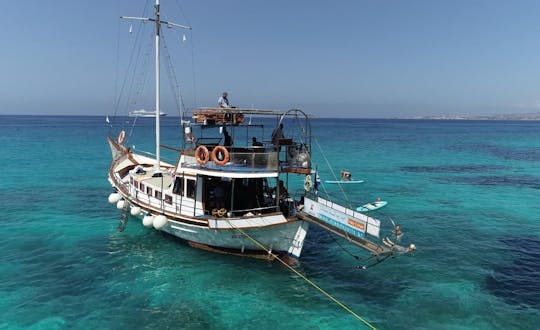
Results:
<point x="234" y="172"/>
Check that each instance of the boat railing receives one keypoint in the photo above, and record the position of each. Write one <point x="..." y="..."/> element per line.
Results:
<point x="153" y="155"/>
<point x="295" y="157"/>
<point x="241" y="159"/>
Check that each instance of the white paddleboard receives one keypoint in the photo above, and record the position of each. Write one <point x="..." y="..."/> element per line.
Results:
<point x="343" y="182"/>
<point x="371" y="206"/>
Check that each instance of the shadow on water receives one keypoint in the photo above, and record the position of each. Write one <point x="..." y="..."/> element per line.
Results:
<point x="501" y="152"/>
<point x="451" y="168"/>
<point x="517" y="283"/>
<point x="527" y="181"/>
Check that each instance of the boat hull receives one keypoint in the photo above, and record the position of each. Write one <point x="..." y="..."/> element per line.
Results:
<point x="282" y="238"/>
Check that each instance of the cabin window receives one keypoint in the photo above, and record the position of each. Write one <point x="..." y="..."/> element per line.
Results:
<point x="190" y="188"/>
<point x="149" y="191"/>
<point x="136" y="184"/>
<point x="158" y="194"/>
<point x="178" y="188"/>
<point x="141" y="187"/>
<point x="131" y="180"/>
<point x="168" y="199"/>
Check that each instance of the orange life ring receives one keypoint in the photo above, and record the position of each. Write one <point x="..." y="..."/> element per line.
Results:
<point x="202" y="155"/>
<point x="121" y="137"/>
<point x="218" y="151"/>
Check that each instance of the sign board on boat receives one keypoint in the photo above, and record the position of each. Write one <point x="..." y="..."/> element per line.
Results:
<point x="338" y="216"/>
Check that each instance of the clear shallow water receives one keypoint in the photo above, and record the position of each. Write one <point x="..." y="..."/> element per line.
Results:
<point x="466" y="193"/>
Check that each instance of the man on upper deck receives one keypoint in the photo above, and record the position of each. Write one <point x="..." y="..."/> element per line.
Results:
<point x="277" y="134"/>
<point x="223" y="101"/>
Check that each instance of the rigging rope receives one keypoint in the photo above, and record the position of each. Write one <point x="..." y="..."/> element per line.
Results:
<point x="333" y="174"/>
<point x="184" y="17"/>
<point x="342" y="247"/>
<point x="120" y="87"/>
<point x="193" y="72"/>
<point x="321" y="290"/>
<point x="130" y="64"/>
<point x="173" y="81"/>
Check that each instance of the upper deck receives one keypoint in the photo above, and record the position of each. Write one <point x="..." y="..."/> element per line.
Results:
<point x="244" y="141"/>
<point x="230" y="116"/>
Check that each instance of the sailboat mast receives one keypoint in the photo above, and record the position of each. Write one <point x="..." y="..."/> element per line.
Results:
<point x="158" y="22"/>
<point x="158" y="112"/>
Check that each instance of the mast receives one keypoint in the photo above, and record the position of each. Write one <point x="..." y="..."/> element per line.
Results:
<point x="158" y="113"/>
<point x="157" y="20"/>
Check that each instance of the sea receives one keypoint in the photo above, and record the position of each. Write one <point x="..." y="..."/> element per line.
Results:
<point x="466" y="193"/>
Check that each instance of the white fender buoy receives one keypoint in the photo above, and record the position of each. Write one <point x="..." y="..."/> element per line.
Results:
<point x="148" y="220"/>
<point x="135" y="211"/>
<point x="120" y="204"/>
<point x="114" y="198"/>
<point x="160" y="221"/>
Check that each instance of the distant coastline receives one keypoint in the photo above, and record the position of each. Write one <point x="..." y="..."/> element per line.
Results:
<point x="522" y="116"/>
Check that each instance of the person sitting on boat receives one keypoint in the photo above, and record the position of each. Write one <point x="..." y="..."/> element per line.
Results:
<point x="256" y="143"/>
<point x="277" y="134"/>
<point x="227" y="140"/>
<point x="345" y="175"/>
<point x="284" y="203"/>
<point x="283" y="193"/>
<point x="223" y="101"/>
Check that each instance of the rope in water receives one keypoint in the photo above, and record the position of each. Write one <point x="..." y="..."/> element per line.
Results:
<point x="339" y="303"/>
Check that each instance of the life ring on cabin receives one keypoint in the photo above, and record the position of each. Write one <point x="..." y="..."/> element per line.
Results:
<point x="121" y="137"/>
<point x="202" y="155"/>
<point x="220" y="155"/>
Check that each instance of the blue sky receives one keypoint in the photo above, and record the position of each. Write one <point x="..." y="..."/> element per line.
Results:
<point x="348" y="58"/>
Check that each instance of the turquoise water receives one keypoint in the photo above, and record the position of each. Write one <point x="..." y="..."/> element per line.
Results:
<point x="466" y="193"/>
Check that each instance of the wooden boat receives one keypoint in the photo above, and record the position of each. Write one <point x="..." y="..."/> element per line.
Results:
<point x="227" y="194"/>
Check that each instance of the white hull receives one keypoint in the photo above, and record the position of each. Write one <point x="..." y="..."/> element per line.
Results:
<point x="285" y="238"/>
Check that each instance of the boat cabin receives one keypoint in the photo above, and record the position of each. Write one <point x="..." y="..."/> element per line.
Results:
<point x="236" y="162"/>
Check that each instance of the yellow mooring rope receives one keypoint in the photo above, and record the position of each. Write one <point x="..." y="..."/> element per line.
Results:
<point x="304" y="278"/>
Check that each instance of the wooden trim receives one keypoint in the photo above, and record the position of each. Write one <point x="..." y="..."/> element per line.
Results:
<point x="296" y="170"/>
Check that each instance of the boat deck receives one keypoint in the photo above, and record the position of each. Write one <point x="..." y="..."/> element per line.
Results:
<point x="147" y="178"/>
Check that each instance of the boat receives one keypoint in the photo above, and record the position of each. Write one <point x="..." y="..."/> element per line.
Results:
<point x="343" y="181"/>
<point x="228" y="192"/>
<point x="371" y="206"/>
<point x="145" y="113"/>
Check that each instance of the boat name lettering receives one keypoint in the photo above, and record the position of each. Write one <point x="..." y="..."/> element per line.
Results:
<point x="356" y="224"/>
